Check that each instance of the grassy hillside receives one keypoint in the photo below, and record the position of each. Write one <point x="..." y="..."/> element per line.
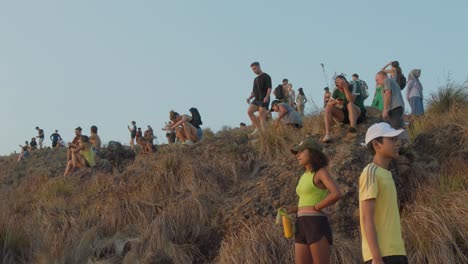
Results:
<point x="216" y="202"/>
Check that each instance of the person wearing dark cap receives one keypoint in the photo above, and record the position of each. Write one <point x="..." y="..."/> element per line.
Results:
<point x="55" y="138"/>
<point x="316" y="191"/>
<point x="326" y="96"/>
<point x="74" y="144"/>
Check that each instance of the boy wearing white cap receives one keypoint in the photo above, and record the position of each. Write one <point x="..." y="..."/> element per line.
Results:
<point x="382" y="242"/>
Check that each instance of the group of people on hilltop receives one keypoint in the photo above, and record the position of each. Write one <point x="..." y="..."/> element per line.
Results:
<point x="82" y="150"/>
<point x="181" y="128"/>
<point x="379" y="215"/>
<point x="144" y="140"/>
<point x="414" y="88"/>
<point x="286" y="104"/>
<point x="184" y="128"/>
<point x="285" y="93"/>
<point x="380" y="228"/>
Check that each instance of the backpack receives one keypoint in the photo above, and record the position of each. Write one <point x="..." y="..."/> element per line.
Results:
<point x="362" y="86"/>
<point x="196" y="118"/>
<point x="364" y="89"/>
<point x="401" y="80"/>
<point x="279" y="92"/>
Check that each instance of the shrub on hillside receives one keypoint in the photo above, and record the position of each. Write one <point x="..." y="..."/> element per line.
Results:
<point x="450" y="97"/>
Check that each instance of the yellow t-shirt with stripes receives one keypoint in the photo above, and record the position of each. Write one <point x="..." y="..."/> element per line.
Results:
<point x="377" y="183"/>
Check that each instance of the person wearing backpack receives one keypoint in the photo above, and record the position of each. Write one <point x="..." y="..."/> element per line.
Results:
<point x="281" y="91"/>
<point x="393" y="104"/>
<point x="395" y="73"/>
<point x="363" y="85"/>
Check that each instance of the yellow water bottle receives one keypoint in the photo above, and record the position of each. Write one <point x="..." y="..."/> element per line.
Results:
<point x="287" y="227"/>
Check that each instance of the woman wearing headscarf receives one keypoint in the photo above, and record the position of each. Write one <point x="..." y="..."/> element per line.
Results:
<point x="414" y="93"/>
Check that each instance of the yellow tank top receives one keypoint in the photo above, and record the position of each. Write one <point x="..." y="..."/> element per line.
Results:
<point x="89" y="156"/>
<point x="309" y="194"/>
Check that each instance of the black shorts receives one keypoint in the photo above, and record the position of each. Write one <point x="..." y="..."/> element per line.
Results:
<point x="87" y="163"/>
<point x="260" y="103"/>
<point x="310" y="229"/>
<point x="362" y="117"/>
<point x="392" y="260"/>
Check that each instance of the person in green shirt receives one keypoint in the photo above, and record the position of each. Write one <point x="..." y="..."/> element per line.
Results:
<point x="345" y="106"/>
<point x="378" y="101"/>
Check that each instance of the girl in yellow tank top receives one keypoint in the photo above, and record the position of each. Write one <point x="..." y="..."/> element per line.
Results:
<point x="316" y="191"/>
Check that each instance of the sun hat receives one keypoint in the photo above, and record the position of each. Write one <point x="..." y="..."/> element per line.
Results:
<point x="381" y="130"/>
<point x="307" y="143"/>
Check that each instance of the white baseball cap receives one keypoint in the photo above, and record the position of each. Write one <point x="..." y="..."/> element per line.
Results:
<point x="381" y="130"/>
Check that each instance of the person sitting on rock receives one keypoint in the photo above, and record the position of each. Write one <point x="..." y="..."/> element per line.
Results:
<point x="74" y="144"/>
<point x="345" y="106"/>
<point x="95" y="140"/>
<point x="33" y="144"/>
<point x="82" y="156"/>
<point x="286" y="114"/>
<point x="185" y="131"/>
<point x="24" y="151"/>
<point x="316" y="190"/>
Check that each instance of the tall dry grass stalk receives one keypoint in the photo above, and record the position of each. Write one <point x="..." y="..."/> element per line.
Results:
<point x="435" y="226"/>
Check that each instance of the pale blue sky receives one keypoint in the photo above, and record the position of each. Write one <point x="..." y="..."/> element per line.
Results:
<point x="77" y="63"/>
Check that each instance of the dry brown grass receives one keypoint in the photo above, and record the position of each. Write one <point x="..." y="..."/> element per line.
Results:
<point x="171" y="207"/>
<point x="435" y="225"/>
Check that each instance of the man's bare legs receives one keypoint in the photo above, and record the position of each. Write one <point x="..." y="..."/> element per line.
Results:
<point x="354" y="113"/>
<point x="262" y="113"/>
<point x="132" y="143"/>
<point x="332" y="112"/>
<point x="251" y="112"/>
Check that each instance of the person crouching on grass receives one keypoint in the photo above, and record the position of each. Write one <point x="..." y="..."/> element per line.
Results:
<point x="82" y="156"/>
<point x="316" y="191"/>
<point x="382" y="242"/>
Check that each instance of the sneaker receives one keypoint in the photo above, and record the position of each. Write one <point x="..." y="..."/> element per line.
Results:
<point x="352" y="130"/>
<point x="255" y="131"/>
<point x="188" y="143"/>
<point x="327" y="139"/>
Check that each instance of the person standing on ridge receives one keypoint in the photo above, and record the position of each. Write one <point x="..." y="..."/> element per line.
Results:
<point x="393" y="104"/>
<point x="326" y="96"/>
<point x="133" y="132"/>
<point x="381" y="239"/>
<point x="261" y="94"/>
<point x="291" y="95"/>
<point x="40" y="136"/>
<point x="316" y="191"/>
<point x="55" y="138"/>
<point x="95" y="140"/>
<point x="301" y="100"/>
<point x="414" y="93"/>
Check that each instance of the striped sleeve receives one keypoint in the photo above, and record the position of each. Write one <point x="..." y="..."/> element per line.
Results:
<point x="368" y="186"/>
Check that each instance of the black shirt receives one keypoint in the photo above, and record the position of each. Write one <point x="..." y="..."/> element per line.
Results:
<point x="261" y="85"/>
<point x="41" y="133"/>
